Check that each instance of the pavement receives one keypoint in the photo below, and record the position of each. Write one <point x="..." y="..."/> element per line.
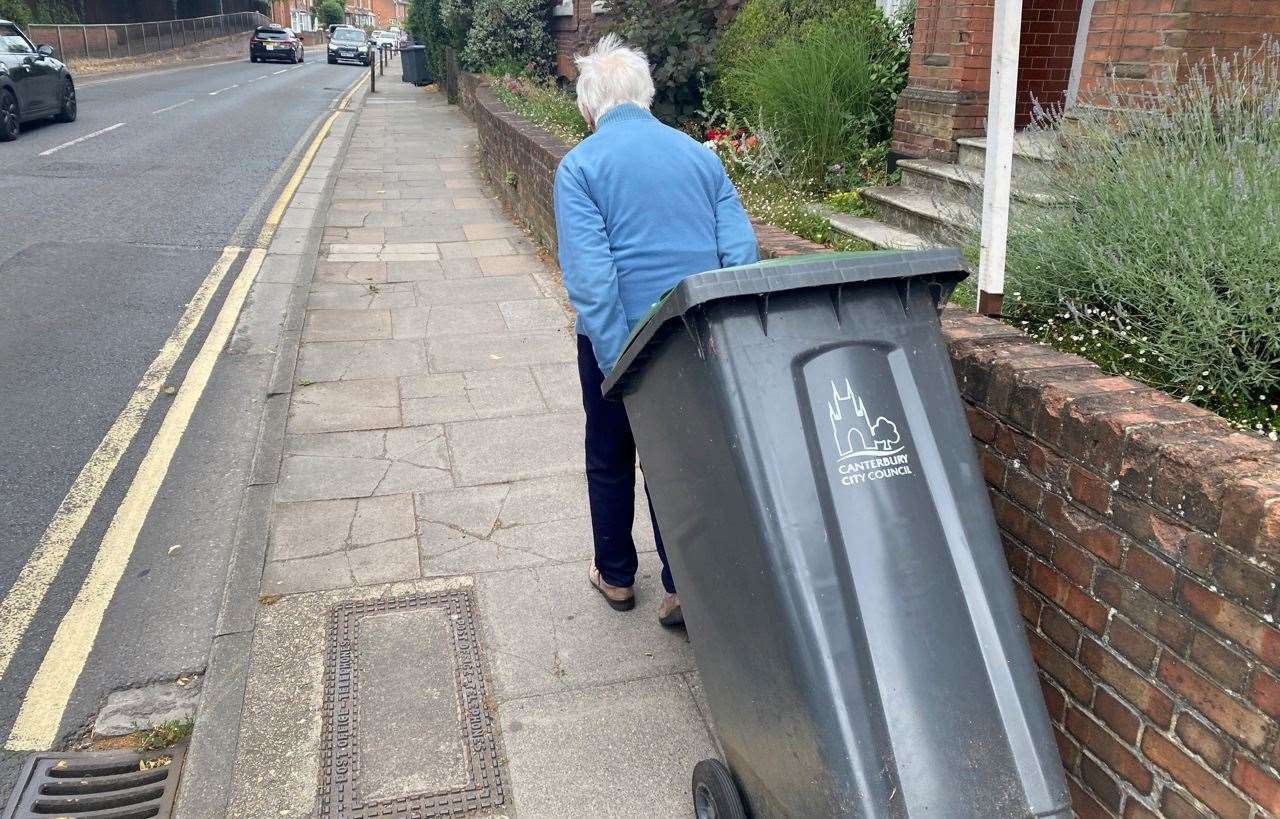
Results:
<point x="109" y="237"/>
<point x="407" y="624"/>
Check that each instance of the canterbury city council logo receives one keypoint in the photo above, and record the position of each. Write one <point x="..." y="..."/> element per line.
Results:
<point x="869" y="447"/>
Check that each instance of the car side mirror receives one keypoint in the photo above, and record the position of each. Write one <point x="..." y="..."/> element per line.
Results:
<point x="44" y="50"/>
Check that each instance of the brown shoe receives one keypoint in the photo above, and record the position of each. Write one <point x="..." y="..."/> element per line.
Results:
<point x="618" y="598"/>
<point x="669" y="613"/>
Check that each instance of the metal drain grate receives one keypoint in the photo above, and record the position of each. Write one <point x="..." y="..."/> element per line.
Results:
<point x="99" y="784"/>
<point x="343" y="792"/>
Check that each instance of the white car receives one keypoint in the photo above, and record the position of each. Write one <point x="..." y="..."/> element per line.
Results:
<point x="386" y="39"/>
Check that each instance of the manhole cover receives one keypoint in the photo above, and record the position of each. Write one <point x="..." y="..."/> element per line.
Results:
<point x="408" y="719"/>
<point x="105" y="784"/>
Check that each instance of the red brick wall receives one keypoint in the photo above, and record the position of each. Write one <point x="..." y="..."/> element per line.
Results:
<point x="1044" y="58"/>
<point x="1133" y="46"/>
<point x="1143" y="542"/>
<point x="1136" y="46"/>
<point x="1143" y="536"/>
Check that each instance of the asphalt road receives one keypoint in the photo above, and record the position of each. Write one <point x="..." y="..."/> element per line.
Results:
<point x="104" y="242"/>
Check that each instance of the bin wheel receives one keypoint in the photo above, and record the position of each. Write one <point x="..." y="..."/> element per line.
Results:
<point x="714" y="794"/>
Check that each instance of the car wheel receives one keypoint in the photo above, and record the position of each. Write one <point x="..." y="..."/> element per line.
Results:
<point x="9" y="126"/>
<point x="67" y="113"/>
<point x="252" y="59"/>
<point x="332" y="61"/>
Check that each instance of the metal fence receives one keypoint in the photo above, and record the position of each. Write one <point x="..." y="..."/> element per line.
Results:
<point x="114" y="40"/>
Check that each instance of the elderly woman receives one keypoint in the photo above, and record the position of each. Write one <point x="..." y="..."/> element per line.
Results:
<point x="639" y="206"/>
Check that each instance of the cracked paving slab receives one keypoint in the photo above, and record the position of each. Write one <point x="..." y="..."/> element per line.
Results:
<point x="438" y="398"/>
<point x="328" y="544"/>
<point x="322" y="466"/>
<point x="343" y="360"/>
<point x="339" y="406"/>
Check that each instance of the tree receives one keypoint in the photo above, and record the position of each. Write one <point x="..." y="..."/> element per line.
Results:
<point x="329" y="12"/>
<point x="17" y="11"/>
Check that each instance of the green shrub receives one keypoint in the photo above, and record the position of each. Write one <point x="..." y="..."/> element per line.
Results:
<point x="815" y="91"/>
<point x="679" y="38"/>
<point x="825" y="77"/>
<point x="761" y="25"/>
<point x="544" y="104"/>
<point x="455" y="15"/>
<point x="510" y="35"/>
<point x="1162" y="262"/>
<point x="17" y="11"/>
<point x="426" y="27"/>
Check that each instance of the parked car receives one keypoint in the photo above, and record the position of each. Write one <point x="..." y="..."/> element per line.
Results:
<point x="349" y="45"/>
<point x="276" y="43"/>
<point x="386" y="39"/>
<point x="33" y="85"/>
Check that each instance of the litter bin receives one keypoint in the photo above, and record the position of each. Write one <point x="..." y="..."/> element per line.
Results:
<point x="413" y="64"/>
<point x="831" y="538"/>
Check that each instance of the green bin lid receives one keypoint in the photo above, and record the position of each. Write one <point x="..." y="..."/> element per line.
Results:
<point x="776" y="276"/>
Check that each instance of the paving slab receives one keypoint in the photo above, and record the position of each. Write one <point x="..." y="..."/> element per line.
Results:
<point x="342" y="360"/>
<point x="498" y="450"/>
<point x="560" y="384"/>
<point x="417" y="270"/>
<point x="346" y="325"/>
<point x="534" y="314"/>
<point x="622" y="751"/>
<point x="326" y="296"/>
<point x="348" y="405"/>
<point x="465" y="319"/>
<point x="362" y="273"/>
<point x="547" y="634"/>
<point x="496" y="289"/>
<point x="511" y="265"/>
<point x="458" y="352"/>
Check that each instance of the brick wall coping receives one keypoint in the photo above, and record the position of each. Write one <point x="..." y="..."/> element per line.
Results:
<point x="1142" y="535"/>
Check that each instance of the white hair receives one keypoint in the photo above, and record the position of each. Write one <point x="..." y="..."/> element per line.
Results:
<point x="612" y="74"/>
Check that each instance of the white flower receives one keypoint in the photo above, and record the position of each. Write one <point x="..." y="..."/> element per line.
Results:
<point x="710" y="143"/>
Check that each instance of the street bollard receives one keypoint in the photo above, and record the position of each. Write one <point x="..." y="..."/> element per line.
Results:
<point x="373" y="77"/>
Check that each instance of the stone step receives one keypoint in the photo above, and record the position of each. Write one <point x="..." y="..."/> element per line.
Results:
<point x="962" y="183"/>
<point x="882" y="236"/>
<point x="1033" y="156"/>
<point x="937" y="219"/>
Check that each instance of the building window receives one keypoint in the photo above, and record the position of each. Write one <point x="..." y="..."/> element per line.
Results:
<point x="563" y="8"/>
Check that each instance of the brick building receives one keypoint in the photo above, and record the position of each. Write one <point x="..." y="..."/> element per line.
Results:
<point x="1072" y="52"/>
<point x="384" y="11"/>
<point x="294" y="14"/>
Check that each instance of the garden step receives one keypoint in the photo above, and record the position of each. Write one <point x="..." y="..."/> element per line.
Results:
<point x="1033" y="157"/>
<point x="925" y="214"/>
<point x="882" y="236"/>
<point x="959" y="182"/>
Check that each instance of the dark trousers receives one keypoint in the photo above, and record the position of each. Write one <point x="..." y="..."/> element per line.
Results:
<point x="611" y="479"/>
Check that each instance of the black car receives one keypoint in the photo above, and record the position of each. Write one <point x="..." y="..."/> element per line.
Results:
<point x="350" y="44"/>
<point x="33" y="85"/>
<point x="275" y="43"/>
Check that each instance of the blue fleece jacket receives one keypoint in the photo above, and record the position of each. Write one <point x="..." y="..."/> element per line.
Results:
<point x="640" y="206"/>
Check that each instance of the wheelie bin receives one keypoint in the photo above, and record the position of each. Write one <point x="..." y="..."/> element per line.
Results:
<point x="838" y="563"/>
<point x="413" y="65"/>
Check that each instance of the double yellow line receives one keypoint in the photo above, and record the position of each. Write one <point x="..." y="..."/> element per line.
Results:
<point x="46" y="699"/>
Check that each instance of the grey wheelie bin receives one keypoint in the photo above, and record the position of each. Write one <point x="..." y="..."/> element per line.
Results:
<point x="413" y="64"/>
<point x="841" y="575"/>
